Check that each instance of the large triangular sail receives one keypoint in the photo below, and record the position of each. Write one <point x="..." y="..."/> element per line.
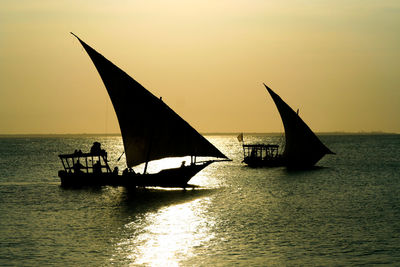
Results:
<point x="302" y="147"/>
<point x="150" y="129"/>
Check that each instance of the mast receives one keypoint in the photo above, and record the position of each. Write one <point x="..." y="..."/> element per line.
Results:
<point x="147" y="156"/>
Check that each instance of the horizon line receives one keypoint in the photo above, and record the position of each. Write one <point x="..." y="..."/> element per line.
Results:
<point x="203" y="133"/>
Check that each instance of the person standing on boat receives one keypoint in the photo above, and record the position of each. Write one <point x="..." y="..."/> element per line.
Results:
<point x="96" y="148"/>
<point x="77" y="167"/>
<point x="97" y="167"/>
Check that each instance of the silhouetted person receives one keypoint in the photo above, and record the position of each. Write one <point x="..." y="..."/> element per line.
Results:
<point x="77" y="167"/>
<point x="115" y="171"/>
<point x="96" y="148"/>
<point x="97" y="167"/>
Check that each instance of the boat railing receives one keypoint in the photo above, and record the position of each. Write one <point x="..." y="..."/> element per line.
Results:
<point x="79" y="162"/>
<point x="261" y="151"/>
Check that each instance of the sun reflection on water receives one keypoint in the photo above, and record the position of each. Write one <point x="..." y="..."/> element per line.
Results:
<point x="168" y="236"/>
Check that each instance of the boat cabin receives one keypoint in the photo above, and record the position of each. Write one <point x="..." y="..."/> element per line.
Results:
<point x="79" y="162"/>
<point x="260" y="151"/>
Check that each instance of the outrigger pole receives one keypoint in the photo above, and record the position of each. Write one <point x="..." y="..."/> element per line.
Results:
<point x="121" y="155"/>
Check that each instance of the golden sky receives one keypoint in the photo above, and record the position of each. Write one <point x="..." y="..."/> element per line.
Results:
<point x="337" y="61"/>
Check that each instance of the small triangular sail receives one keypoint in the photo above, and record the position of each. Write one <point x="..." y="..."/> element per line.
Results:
<point x="303" y="148"/>
<point x="240" y="137"/>
<point x="150" y="129"/>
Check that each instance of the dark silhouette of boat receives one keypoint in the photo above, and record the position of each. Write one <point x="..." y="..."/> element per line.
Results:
<point x="150" y="131"/>
<point x="303" y="149"/>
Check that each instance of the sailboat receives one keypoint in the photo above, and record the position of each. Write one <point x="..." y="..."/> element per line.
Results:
<point x="150" y="130"/>
<point x="303" y="149"/>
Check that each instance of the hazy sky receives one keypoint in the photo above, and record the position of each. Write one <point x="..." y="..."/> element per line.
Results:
<point x="337" y="61"/>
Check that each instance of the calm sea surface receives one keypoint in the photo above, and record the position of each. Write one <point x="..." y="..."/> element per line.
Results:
<point x="346" y="213"/>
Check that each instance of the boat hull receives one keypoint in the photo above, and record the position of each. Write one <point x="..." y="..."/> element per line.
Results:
<point x="257" y="162"/>
<point x="175" y="177"/>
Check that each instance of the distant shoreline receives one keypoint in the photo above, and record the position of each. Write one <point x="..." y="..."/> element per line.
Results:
<point x="206" y="134"/>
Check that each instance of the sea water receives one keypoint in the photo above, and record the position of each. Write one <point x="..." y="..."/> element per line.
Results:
<point x="347" y="212"/>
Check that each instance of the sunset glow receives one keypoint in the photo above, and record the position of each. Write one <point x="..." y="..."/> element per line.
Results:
<point x="336" y="61"/>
